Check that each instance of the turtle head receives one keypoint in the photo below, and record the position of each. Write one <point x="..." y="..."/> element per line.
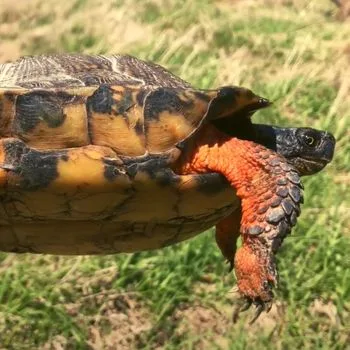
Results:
<point x="308" y="150"/>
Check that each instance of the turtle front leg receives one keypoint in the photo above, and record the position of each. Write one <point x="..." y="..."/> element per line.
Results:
<point x="256" y="274"/>
<point x="270" y="193"/>
<point x="250" y="262"/>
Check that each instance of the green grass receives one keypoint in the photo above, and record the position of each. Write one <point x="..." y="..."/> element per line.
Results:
<point x="293" y="52"/>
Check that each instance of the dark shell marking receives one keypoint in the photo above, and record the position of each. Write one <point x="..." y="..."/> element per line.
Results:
<point x="162" y="100"/>
<point x="112" y="169"/>
<point x="34" y="169"/>
<point x="39" y="106"/>
<point x="101" y="101"/>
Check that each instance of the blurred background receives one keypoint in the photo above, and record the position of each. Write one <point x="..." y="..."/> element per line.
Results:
<point x="294" y="52"/>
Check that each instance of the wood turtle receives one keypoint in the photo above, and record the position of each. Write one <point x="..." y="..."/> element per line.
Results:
<point x="101" y="155"/>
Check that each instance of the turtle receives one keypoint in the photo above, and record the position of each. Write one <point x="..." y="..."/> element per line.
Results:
<point x="110" y="154"/>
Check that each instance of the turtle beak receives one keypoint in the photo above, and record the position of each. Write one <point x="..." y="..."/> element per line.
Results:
<point x="328" y="146"/>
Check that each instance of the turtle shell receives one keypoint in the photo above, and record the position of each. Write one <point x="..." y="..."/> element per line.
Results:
<point x="86" y="143"/>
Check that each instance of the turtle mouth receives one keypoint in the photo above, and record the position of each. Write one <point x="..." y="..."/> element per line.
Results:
<point x="308" y="166"/>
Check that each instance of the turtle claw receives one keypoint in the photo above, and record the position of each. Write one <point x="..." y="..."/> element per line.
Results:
<point x="260" y="307"/>
<point x="246" y="303"/>
<point x="243" y="305"/>
<point x="231" y="262"/>
<point x="268" y="306"/>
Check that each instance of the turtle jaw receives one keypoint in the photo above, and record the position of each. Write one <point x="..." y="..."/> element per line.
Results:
<point x="307" y="166"/>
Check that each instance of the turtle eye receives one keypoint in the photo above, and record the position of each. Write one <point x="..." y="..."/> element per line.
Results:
<point x="309" y="140"/>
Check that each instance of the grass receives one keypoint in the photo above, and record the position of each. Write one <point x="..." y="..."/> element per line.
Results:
<point x="293" y="52"/>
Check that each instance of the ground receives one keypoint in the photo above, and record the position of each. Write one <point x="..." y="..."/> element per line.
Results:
<point x="296" y="53"/>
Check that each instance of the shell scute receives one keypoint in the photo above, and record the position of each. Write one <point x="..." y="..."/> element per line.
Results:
<point x="116" y="120"/>
<point x="37" y="106"/>
<point x="44" y="119"/>
<point x="171" y="116"/>
<point x="161" y="100"/>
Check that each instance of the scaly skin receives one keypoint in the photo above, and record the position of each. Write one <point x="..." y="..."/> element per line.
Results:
<point x="270" y="193"/>
<point x="250" y="262"/>
<point x="227" y="234"/>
